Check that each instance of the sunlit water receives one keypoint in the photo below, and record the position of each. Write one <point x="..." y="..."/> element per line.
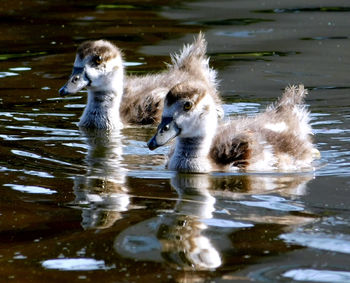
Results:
<point x="87" y="206"/>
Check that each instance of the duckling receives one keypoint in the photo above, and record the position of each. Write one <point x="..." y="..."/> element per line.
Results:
<point x="115" y="99"/>
<point x="277" y="139"/>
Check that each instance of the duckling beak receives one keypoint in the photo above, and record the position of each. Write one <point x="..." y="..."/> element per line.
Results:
<point x="166" y="131"/>
<point x="77" y="81"/>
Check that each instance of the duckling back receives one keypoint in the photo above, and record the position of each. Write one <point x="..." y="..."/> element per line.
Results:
<point x="279" y="138"/>
<point x="143" y="97"/>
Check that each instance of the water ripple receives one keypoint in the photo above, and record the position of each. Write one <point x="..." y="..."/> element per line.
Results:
<point x="36" y="156"/>
<point x="31" y="189"/>
<point x="28" y="172"/>
<point x="245" y="33"/>
<point x="215" y="222"/>
<point x="315" y="275"/>
<point x="55" y="131"/>
<point x="241" y="107"/>
<point x="335" y="243"/>
<point x="75" y="264"/>
<point x="7" y="74"/>
<point x="306" y="9"/>
<point x="272" y="202"/>
<point x="20" y="69"/>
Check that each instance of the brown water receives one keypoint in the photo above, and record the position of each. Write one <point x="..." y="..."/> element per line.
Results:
<point x="76" y="207"/>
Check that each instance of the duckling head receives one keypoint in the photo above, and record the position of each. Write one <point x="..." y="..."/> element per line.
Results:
<point x="189" y="112"/>
<point x="98" y="65"/>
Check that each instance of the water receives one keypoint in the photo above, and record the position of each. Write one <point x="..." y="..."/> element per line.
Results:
<point x="82" y="206"/>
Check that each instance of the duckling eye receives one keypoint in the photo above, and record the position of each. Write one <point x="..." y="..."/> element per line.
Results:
<point x="188" y="105"/>
<point x="97" y="60"/>
<point x="75" y="79"/>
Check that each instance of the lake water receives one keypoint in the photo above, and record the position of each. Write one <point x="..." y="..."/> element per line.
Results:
<point x="84" y="207"/>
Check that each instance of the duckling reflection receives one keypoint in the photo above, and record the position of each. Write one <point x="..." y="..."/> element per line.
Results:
<point x="288" y="185"/>
<point x="177" y="237"/>
<point x="101" y="191"/>
<point x="272" y="199"/>
<point x="195" y="198"/>
<point x="210" y="210"/>
<point x="182" y="238"/>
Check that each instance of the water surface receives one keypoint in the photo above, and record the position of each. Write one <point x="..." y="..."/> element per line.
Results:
<point x="84" y="206"/>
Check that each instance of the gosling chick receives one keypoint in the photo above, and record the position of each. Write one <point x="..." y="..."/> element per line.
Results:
<point x="277" y="139"/>
<point x="115" y="99"/>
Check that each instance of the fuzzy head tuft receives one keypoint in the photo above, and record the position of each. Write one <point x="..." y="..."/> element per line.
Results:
<point x="101" y="49"/>
<point x="194" y="60"/>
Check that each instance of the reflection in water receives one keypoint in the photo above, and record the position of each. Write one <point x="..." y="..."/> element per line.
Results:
<point x="101" y="191"/>
<point x="283" y="184"/>
<point x="201" y="229"/>
<point x="261" y="198"/>
<point x="183" y="237"/>
<point x="176" y="237"/>
<point x="194" y="196"/>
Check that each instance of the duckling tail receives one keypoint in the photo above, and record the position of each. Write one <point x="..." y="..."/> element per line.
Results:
<point x="293" y="95"/>
<point x="290" y="108"/>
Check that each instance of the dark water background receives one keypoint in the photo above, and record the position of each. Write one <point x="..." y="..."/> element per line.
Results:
<point x="76" y="207"/>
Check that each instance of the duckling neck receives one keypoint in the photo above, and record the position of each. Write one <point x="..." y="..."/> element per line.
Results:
<point x="102" y="109"/>
<point x="191" y="155"/>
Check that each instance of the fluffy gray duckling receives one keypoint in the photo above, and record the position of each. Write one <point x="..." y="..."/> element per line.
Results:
<point x="277" y="139"/>
<point x="115" y="99"/>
